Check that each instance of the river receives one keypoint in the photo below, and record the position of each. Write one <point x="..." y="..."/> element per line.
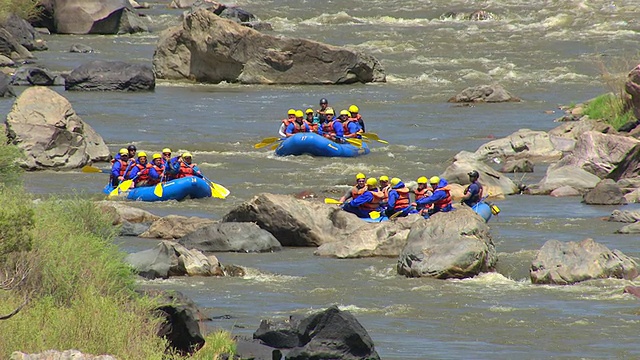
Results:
<point x="548" y="53"/>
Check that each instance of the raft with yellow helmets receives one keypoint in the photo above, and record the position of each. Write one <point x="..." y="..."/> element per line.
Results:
<point x="313" y="144"/>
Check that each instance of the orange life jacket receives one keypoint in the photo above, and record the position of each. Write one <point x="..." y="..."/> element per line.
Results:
<point x="356" y="191"/>
<point x="444" y="202"/>
<point x="385" y="191"/>
<point x="286" y="122"/>
<point x="143" y="172"/>
<point x="123" y="167"/>
<point x="160" y="171"/>
<point x="299" y="127"/>
<point x="403" y="198"/>
<point x="327" y="127"/>
<point x="375" y="203"/>
<point x="313" y="127"/>
<point x="185" y="170"/>
<point x="345" y="125"/>
<point x="421" y="193"/>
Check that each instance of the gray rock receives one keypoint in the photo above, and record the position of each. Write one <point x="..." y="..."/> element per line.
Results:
<point x="131" y="23"/>
<point x="219" y="237"/>
<point x="111" y="76"/>
<point x="454" y="244"/>
<point x="522" y="144"/>
<point x="492" y="181"/>
<point x="606" y="192"/>
<point x="629" y="229"/>
<point x="632" y="87"/>
<point x="624" y="216"/>
<point x="92" y="17"/>
<point x="32" y="75"/>
<point x="6" y="90"/>
<point x="517" y="166"/>
<point x="171" y="259"/>
<point x="212" y="55"/>
<point x="175" y="227"/>
<point x="484" y="93"/>
<point x="45" y="126"/>
<point x="26" y="35"/>
<point x="11" y="48"/>
<point x="81" y="48"/>
<point x="563" y="191"/>
<point x="559" y="176"/>
<point x="133" y="229"/>
<point x="569" y="263"/>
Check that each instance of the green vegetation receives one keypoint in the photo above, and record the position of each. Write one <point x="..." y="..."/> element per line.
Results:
<point x="216" y="344"/>
<point x="26" y="9"/>
<point x="61" y="272"/>
<point x="610" y="108"/>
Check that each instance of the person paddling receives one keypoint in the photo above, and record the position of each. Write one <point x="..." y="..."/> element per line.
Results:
<point x="473" y="192"/>
<point x="140" y="171"/>
<point x="358" y="189"/>
<point x="355" y="114"/>
<point x="120" y="167"/>
<point x="369" y="201"/>
<point x="187" y="168"/>
<point x="441" y="198"/>
<point x="291" y="117"/>
<point x="298" y="125"/>
<point x="399" y="200"/>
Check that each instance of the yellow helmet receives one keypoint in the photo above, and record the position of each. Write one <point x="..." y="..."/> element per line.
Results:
<point x="422" y="180"/>
<point x="166" y="150"/>
<point x="434" y="180"/>
<point x="309" y="110"/>
<point x="141" y="154"/>
<point x="156" y="156"/>
<point x="299" y="113"/>
<point x="372" y="182"/>
<point x="291" y="112"/>
<point x="329" y="111"/>
<point x="395" y="181"/>
<point x="360" y="176"/>
<point x="384" y="178"/>
<point x="353" y="109"/>
<point x="344" y="112"/>
<point x="186" y="155"/>
<point x="123" y="151"/>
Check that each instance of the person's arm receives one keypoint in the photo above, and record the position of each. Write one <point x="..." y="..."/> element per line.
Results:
<point x="282" y="130"/>
<point x="115" y="169"/>
<point x="346" y="196"/>
<point x="393" y="196"/>
<point x="133" y="173"/>
<point x="437" y="195"/>
<point x="196" y="171"/>
<point x="289" y="131"/>
<point x="354" y="128"/>
<point x="153" y="174"/>
<point x="337" y="127"/>
<point x="362" y="199"/>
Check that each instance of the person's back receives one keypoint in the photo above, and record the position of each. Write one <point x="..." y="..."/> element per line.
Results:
<point x="399" y="199"/>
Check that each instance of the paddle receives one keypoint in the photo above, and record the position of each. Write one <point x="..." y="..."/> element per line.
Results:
<point x="354" y="142"/>
<point x="374" y="136"/>
<point x="374" y="215"/>
<point x="332" y="201"/>
<point x="266" y="142"/>
<point x="93" y="169"/>
<point x="217" y="190"/>
<point x="398" y="213"/>
<point x="124" y="185"/>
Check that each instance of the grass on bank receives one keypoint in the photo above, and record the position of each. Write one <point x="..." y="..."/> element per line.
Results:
<point x="611" y="108"/>
<point x="25" y="9"/>
<point x="80" y="292"/>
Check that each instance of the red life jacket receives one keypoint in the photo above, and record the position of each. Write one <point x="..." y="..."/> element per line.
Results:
<point x="160" y="171"/>
<point x="185" y="170"/>
<point x="356" y="191"/>
<point x="421" y="193"/>
<point x="143" y="172"/>
<point x="123" y="167"/>
<point x="327" y="127"/>
<point x="313" y="127"/>
<point x="403" y="198"/>
<point x="299" y="127"/>
<point x="345" y="125"/>
<point x="375" y="203"/>
<point x="286" y="122"/>
<point x="444" y="202"/>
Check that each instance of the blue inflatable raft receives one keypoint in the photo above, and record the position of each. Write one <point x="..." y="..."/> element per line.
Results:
<point x="178" y="189"/>
<point x="482" y="208"/>
<point x="316" y="145"/>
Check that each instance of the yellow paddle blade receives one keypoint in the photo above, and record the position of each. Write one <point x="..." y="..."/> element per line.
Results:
<point x="216" y="194"/>
<point x="91" y="169"/>
<point x="265" y="142"/>
<point x="275" y="146"/>
<point x="157" y="191"/>
<point x="114" y="192"/>
<point x="221" y="190"/>
<point x="374" y="215"/>
<point x="125" y="185"/>
<point x="332" y="201"/>
<point x="374" y="136"/>
<point x="354" y="142"/>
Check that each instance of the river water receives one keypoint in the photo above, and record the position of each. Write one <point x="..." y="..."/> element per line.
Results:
<point x="548" y="53"/>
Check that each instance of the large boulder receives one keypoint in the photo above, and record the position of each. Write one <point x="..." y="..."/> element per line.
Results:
<point x="111" y="76"/>
<point x="565" y="136"/>
<point x="484" y="93"/>
<point x="560" y="176"/>
<point x="172" y="259"/>
<point x="492" y="181"/>
<point x="632" y="87"/>
<point x="523" y="144"/>
<point x="568" y="263"/>
<point x="329" y="334"/>
<point x="454" y="244"/>
<point x="92" y="17"/>
<point x="22" y="31"/>
<point x="208" y="48"/>
<point x="606" y="192"/>
<point x="30" y="75"/>
<point x="218" y="237"/>
<point x="602" y="154"/>
<point x="175" y="227"/>
<point x="377" y="239"/>
<point x="6" y="90"/>
<point x="11" y="47"/>
<point x="122" y="213"/>
<point x="52" y="135"/>
<point x="295" y="222"/>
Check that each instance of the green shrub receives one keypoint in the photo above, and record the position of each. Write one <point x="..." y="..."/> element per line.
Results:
<point x="16" y="221"/>
<point x="611" y="109"/>
<point x="216" y="344"/>
<point x="10" y="171"/>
